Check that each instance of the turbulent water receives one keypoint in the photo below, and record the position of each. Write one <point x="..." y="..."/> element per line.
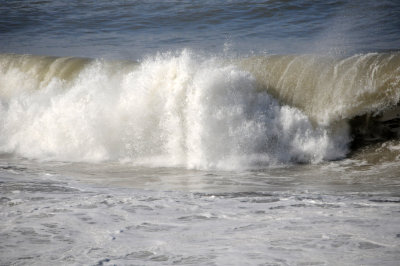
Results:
<point x="213" y="133"/>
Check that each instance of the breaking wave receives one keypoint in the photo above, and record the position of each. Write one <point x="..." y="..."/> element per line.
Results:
<point x="190" y="111"/>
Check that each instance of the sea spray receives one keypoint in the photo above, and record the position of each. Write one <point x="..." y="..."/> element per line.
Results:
<point x="169" y="110"/>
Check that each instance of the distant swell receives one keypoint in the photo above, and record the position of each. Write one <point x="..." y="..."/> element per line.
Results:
<point x="190" y="111"/>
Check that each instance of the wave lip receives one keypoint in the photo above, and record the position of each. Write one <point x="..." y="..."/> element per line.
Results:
<point x="330" y="89"/>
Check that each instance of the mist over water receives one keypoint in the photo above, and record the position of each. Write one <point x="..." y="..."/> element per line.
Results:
<point x="206" y="133"/>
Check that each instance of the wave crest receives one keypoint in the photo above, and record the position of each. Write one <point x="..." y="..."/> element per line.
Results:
<point x="174" y="110"/>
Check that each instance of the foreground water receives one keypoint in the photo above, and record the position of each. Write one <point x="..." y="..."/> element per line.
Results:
<point x="123" y="215"/>
<point x="220" y="133"/>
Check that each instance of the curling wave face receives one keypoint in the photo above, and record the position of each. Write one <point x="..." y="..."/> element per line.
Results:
<point x="330" y="89"/>
<point x="187" y="110"/>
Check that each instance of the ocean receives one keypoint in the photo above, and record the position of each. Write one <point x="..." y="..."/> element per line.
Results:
<point x="199" y="132"/>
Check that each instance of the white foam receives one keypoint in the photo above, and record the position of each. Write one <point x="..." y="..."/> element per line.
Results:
<point x="179" y="110"/>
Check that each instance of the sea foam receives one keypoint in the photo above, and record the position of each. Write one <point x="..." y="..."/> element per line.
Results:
<point x="169" y="110"/>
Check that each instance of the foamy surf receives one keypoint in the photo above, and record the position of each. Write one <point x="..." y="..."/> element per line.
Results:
<point x="99" y="155"/>
<point x="169" y="110"/>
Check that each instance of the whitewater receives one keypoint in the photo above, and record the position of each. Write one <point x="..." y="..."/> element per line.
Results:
<point x="175" y="123"/>
<point x="214" y="133"/>
<point x="172" y="110"/>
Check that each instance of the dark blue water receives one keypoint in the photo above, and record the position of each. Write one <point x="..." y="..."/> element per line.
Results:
<point x="130" y="29"/>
